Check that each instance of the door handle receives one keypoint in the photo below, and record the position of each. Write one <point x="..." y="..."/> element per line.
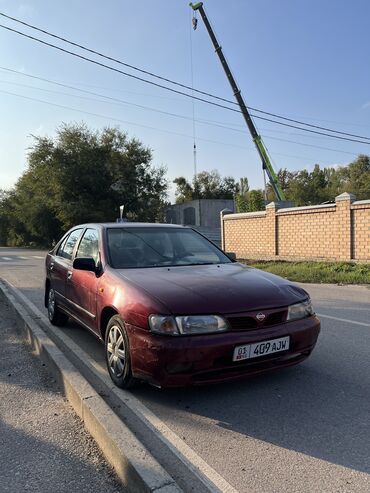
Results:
<point x="69" y="275"/>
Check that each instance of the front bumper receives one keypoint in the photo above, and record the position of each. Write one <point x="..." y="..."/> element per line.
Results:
<point x="169" y="361"/>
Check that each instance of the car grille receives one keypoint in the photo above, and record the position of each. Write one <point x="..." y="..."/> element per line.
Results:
<point x="250" y="322"/>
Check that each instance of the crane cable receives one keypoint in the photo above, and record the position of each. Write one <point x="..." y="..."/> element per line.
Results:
<point x="194" y="26"/>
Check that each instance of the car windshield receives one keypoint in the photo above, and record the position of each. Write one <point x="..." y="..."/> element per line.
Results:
<point x="137" y="247"/>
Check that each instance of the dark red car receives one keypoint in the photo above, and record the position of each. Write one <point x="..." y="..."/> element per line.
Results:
<point x="172" y="308"/>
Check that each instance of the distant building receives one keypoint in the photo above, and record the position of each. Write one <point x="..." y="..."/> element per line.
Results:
<point x="202" y="214"/>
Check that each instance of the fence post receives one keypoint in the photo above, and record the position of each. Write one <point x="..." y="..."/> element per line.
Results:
<point x="272" y="227"/>
<point x="222" y="214"/>
<point x="344" y="227"/>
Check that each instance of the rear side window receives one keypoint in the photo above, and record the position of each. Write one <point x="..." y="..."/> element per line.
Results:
<point x="61" y="246"/>
<point x="67" y="247"/>
<point x="89" y="245"/>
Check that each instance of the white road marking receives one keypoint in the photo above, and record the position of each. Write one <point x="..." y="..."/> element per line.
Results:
<point x="23" y="258"/>
<point x="199" y="467"/>
<point x="38" y="257"/>
<point x="6" y="258"/>
<point x="364" y="324"/>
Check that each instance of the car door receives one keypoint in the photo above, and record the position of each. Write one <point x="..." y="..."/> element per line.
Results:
<point x="82" y="286"/>
<point x="60" y="265"/>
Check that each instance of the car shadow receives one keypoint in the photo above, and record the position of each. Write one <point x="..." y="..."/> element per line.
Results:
<point x="320" y="408"/>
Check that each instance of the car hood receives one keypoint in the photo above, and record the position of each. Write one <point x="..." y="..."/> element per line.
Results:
<point x="222" y="288"/>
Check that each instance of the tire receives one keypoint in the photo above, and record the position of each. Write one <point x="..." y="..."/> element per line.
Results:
<point x="56" y="317"/>
<point x="117" y="354"/>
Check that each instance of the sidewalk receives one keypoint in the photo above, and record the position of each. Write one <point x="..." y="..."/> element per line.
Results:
<point x="43" y="445"/>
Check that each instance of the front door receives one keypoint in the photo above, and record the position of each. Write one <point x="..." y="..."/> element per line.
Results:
<point x="81" y="288"/>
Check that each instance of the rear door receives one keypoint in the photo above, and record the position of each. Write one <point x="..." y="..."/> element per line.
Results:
<point x="61" y="264"/>
<point x="82" y="286"/>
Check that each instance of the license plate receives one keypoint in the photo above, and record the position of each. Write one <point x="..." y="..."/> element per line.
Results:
<point x="259" y="349"/>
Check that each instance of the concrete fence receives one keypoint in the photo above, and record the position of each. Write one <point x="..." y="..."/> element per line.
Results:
<point x="339" y="231"/>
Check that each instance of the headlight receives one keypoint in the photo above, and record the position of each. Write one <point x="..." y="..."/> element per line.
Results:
<point x="201" y="324"/>
<point x="163" y="325"/>
<point x="300" y="310"/>
<point x="187" y="324"/>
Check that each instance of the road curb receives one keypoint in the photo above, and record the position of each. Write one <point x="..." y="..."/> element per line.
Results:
<point x="133" y="463"/>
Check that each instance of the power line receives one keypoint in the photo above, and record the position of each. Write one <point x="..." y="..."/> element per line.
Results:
<point x="120" y="120"/>
<point x="311" y="125"/>
<point x="309" y="145"/>
<point x="179" y="92"/>
<point x="112" y="59"/>
<point x="312" y="131"/>
<point x="184" y="86"/>
<point x="176" y="115"/>
<point x="249" y="148"/>
<point x="175" y="90"/>
<point x="113" y="99"/>
<point x="113" y="69"/>
<point x="227" y="126"/>
<point x="239" y="128"/>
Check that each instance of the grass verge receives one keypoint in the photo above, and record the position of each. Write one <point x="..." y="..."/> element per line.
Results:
<point x="316" y="272"/>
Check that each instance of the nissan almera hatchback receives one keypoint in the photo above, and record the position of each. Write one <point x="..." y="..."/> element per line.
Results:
<point x="172" y="308"/>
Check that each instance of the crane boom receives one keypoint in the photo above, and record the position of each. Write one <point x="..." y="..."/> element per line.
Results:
<point x="257" y="139"/>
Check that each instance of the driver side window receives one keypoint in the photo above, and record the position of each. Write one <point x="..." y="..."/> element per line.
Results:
<point x="89" y="245"/>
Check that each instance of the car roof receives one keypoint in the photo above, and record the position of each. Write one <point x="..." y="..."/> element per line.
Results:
<point x="129" y="225"/>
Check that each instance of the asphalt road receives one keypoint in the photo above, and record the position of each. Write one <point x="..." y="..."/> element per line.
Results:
<point x="304" y="429"/>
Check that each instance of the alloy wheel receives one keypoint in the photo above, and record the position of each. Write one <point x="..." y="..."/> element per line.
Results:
<point x="116" y="351"/>
<point x="51" y="304"/>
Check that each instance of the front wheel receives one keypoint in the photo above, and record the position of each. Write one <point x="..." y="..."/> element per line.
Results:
<point x="117" y="354"/>
<point x="56" y="317"/>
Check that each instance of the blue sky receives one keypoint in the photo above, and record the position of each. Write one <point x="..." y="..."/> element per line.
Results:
<point x="306" y="60"/>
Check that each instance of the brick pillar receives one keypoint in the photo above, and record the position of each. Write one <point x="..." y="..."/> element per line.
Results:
<point x="343" y="246"/>
<point x="271" y="225"/>
<point x="222" y="214"/>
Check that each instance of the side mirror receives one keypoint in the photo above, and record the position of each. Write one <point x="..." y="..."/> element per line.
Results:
<point x="231" y="255"/>
<point x="84" y="263"/>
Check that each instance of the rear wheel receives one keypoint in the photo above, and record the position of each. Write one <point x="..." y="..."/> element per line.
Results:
<point x="56" y="317"/>
<point x="117" y="354"/>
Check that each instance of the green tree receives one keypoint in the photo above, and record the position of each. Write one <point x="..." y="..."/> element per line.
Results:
<point x="241" y="199"/>
<point x="308" y="188"/>
<point x="256" y="201"/>
<point x="324" y="184"/>
<point x="5" y="214"/>
<point x="355" y="177"/>
<point x="284" y="176"/>
<point x="184" y="190"/>
<point x="82" y="176"/>
<point x="206" y="185"/>
<point x="248" y="200"/>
